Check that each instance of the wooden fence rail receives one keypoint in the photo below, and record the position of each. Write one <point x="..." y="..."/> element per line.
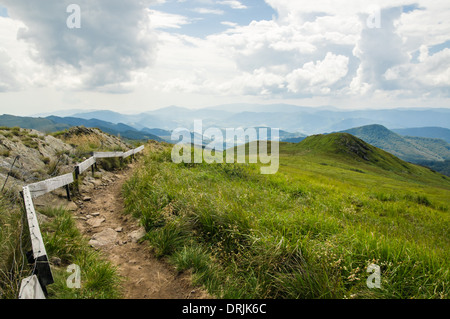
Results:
<point x="127" y="154"/>
<point x="85" y="165"/>
<point x="44" y="187"/>
<point x="107" y="154"/>
<point x="139" y="149"/>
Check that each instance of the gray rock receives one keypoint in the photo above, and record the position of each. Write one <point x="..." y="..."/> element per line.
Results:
<point x="71" y="206"/>
<point x="104" y="238"/>
<point x="42" y="219"/>
<point x="95" y="222"/>
<point x="137" y="235"/>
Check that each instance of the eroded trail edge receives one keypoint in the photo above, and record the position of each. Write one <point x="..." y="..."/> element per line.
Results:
<point x="100" y="217"/>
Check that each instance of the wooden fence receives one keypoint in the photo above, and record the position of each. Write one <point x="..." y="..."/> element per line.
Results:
<point x="34" y="287"/>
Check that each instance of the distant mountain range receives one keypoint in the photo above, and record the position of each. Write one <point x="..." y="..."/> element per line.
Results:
<point x="54" y="123"/>
<point x="290" y="118"/>
<point x="416" y="135"/>
<point x="432" y="132"/>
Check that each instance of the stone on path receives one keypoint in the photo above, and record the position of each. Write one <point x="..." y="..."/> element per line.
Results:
<point x="95" y="222"/>
<point x="136" y="235"/>
<point x="106" y="237"/>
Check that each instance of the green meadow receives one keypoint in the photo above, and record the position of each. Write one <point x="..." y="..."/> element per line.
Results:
<point x="336" y="206"/>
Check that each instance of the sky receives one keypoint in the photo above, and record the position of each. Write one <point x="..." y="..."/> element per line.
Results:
<point x="139" y="55"/>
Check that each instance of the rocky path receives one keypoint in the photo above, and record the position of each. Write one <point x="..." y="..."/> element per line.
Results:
<point x="100" y="217"/>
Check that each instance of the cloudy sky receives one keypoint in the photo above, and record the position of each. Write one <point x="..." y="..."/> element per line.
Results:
<point x="139" y="55"/>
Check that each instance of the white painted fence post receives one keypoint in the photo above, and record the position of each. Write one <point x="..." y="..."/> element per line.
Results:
<point x="43" y="270"/>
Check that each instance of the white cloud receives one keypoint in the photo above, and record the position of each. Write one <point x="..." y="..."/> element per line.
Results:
<point x="229" y="23"/>
<point x="162" y="20"/>
<point x="317" y="77"/>
<point x="316" y="49"/>
<point x="8" y="81"/>
<point x="208" y="11"/>
<point x="378" y="50"/>
<point x="431" y="72"/>
<point x="329" y="53"/>
<point x="114" y="39"/>
<point x="234" y="4"/>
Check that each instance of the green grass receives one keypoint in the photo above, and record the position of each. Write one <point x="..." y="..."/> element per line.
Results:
<point x="309" y="231"/>
<point x="12" y="262"/>
<point x="99" y="279"/>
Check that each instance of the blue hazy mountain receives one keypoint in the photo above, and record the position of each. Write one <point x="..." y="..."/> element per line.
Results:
<point x="291" y="118"/>
<point x="408" y="148"/>
<point x="121" y="129"/>
<point x="432" y="132"/>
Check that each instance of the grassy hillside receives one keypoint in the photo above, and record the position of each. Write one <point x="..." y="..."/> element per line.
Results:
<point x="336" y="205"/>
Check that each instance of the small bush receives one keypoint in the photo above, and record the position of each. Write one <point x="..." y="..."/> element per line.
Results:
<point x="16" y="131"/>
<point x="111" y="164"/>
<point x="192" y="257"/>
<point x="29" y="142"/>
<point x="419" y="199"/>
<point x="423" y="200"/>
<point x="53" y="168"/>
<point x="7" y="134"/>
<point x="45" y="160"/>
<point x="166" y="240"/>
<point x="5" y="153"/>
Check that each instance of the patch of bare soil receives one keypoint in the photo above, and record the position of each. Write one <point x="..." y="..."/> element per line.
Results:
<point x="100" y="217"/>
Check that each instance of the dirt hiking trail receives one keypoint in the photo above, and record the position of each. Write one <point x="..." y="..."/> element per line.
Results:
<point x="100" y="217"/>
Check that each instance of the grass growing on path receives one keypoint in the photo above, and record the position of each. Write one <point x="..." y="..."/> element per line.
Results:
<point x="99" y="278"/>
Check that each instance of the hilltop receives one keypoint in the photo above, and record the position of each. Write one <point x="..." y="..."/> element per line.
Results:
<point x="350" y="149"/>
<point x="343" y="150"/>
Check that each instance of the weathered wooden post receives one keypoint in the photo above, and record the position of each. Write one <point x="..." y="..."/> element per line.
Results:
<point x="68" y="192"/>
<point x="38" y="253"/>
